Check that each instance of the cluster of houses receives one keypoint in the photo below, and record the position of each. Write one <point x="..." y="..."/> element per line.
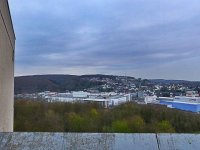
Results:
<point x="190" y="102"/>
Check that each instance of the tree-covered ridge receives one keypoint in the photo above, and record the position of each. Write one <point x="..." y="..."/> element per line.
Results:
<point x="63" y="83"/>
<point x="77" y="117"/>
<point x="55" y="83"/>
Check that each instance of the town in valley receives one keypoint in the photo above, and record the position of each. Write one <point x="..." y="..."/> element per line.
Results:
<point x="110" y="91"/>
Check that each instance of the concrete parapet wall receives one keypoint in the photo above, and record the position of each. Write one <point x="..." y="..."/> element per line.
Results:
<point x="95" y="141"/>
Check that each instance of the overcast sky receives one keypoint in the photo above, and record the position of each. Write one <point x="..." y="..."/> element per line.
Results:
<point x="140" y="38"/>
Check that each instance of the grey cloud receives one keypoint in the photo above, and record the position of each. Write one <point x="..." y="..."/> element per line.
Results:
<point x="106" y="36"/>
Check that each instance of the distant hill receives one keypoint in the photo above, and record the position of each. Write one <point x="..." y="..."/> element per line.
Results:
<point x="61" y="83"/>
<point x="57" y="83"/>
<point x="162" y="81"/>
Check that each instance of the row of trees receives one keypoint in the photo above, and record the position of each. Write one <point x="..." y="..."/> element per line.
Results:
<point x="90" y="117"/>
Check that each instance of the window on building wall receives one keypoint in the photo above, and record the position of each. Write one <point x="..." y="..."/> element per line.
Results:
<point x="13" y="56"/>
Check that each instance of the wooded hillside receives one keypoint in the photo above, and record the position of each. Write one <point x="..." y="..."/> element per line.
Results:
<point x="127" y="118"/>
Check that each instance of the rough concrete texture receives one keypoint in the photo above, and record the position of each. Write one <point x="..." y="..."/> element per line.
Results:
<point x="179" y="141"/>
<point x="75" y="141"/>
<point x="7" y="44"/>
<point x="95" y="141"/>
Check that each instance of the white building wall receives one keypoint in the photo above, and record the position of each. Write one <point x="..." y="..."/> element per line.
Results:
<point x="117" y="101"/>
<point x="7" y="45"/>
<point x="80" y="94"/>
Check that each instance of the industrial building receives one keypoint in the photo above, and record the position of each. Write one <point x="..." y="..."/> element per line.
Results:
<point x="7" y="46"/>
<point x="106" y="99"/>
<point x="182" y="102"/>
